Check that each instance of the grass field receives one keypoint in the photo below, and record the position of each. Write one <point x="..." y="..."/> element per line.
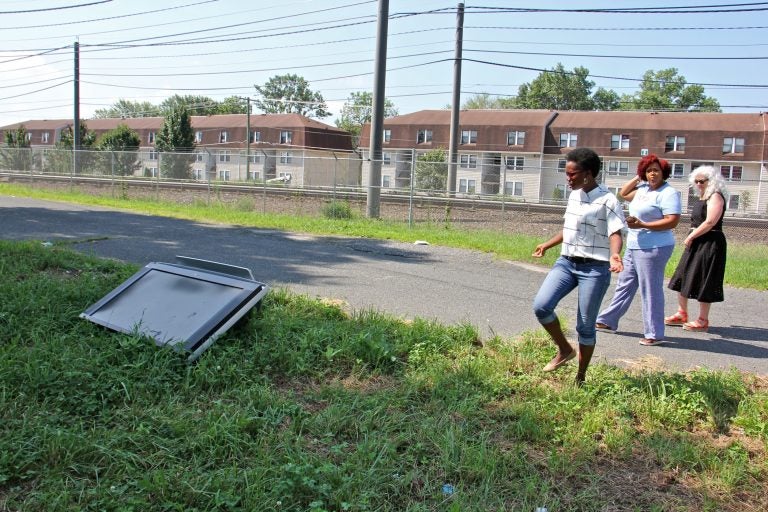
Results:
<point x="306" y="408"/>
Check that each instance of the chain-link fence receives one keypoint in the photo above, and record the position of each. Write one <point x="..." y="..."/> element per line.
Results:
<point x="509" y="195"/>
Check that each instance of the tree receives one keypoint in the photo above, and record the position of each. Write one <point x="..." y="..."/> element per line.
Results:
<point x="17" y="156"/>
<point x="86" y="161"/>
<point x="667" y="90"/>
<point x="128" y="109"/>
<point x="176" y="136"/>
<point x="290" y="94"/>
<point x="431" y="171"/>
<point x="233" y="105"/>
<point x="606" y="99"/>
<point x="123" y="146"/>
<point x="197" y="105"/>
<point x="482" y="101"/>
<point x="557" y="89"/>
<point x="358" y="110"/>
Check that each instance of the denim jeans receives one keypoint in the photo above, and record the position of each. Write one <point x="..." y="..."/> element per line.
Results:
<point x="592" y="280"/>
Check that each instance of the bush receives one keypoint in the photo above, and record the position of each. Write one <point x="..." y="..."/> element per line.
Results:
<point x="337" y="210"/>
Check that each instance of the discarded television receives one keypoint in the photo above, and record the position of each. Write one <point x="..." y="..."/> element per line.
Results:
<point x="185" y="306"/>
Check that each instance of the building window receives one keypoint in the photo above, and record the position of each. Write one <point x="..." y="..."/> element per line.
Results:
<point x="223" y="136"/>
<point x="199" y="157"/>
<point x="731" y="172"/>
<point x="515" y="163"/>
<point x="150" y="172"/>
<point x="44" y="137"/>
<point x="387" y="136"/>
<point x="198" y="137"/>
<point x="423" y="136"/>
<point x="151" y="137"/>
<point x="224" y="175"/>
<point x="568" y="140"/>
<point x="733" y="202"/>
<point x="559" y="192"/>
<point x="198" y="174"/>
<point x="678" y="171"/>
<point x="468" y="161"/>
<point x="254" y="175"/>
<point x="513" y="188"/>
<point x="733" y="145"/>
<point x="674" y="143"/>
<point x="254" y="137"/>
<point x="28" y="137"/>
<point x="618" y="167"/>
<point x="152" y="154"/>
<point x="467" y="186"/>
<point x="385" y="183"/>
<point x="469" y="137"/>
<point x="224" y="156"/>
<point x="515" y="138"/>
<point x="286" y="137"/>
<point x="620" y="141"/>
<point x="386" y="158"/>
<point x="561" y="165"/>
<point x="255" y="158"/>
<point x="285" y="157"/>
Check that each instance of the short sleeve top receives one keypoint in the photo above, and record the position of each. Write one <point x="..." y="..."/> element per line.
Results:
<point x="590" y="219"/>
<point x="650" y="205"/>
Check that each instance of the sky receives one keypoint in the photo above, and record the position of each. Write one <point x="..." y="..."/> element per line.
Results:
<point x="143" y="50"/>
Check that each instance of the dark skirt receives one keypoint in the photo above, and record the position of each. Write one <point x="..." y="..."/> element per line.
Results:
<point x="701" y="270"/>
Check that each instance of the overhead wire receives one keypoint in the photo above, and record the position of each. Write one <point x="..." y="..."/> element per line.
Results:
<point x="61" y="8"/>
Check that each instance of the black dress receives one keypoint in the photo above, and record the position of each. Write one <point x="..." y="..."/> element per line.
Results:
<point x="700" y="272"/>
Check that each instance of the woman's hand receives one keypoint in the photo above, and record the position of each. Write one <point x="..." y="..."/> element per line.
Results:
<point x="633" y="222"/>
<point x="688" y="241"/>
<point x="616" y="263"/>
<point x="540" y="250"/>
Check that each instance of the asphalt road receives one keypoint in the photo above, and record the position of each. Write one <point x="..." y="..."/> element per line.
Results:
<point x="405" y="280"/>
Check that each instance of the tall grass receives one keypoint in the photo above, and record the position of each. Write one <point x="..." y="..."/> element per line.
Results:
<point x="310" y="407"/>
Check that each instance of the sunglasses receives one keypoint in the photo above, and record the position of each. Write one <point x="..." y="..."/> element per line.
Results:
<point x="700" y="181"/>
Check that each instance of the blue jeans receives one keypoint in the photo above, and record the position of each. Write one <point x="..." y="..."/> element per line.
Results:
<point x="592" y="280"/>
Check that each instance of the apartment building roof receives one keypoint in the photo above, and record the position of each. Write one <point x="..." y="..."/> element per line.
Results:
<point x="686" y="121"/>
<point x="474" y="117"/>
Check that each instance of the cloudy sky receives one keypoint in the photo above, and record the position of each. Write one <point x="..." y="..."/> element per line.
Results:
<point x="145" y="50"/>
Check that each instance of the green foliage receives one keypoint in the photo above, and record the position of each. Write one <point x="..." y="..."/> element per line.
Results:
<point x="431" y="172"/>
<point x="198" y="105"/>
<point x="17" y="155"/>
<point x="667" y="90"/>
<point x="177" y="139"/>
<point x="558" y="89"/>
<point x="123" y="144"/>
<point x="337" y="210"/>
<point x="128" y="109"/>
<point x="290" y="94"/>
<point x="85" y="161"/>
<point x="357" y="111"/>
<point x="482" y="101"/>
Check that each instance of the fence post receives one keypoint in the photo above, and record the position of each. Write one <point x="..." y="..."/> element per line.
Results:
<point x="264" y="183"/>
<point x="503" y="188"/>
<point x="410" y="195"/>
<point x="335" y="163"/>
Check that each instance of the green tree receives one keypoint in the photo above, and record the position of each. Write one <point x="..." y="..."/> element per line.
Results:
<point x="87" y="160"/>
<point x="606" y="99"/>
<point x="128" y="109"/>
<point x="197" y="105"/>
<point x="17" y="155"/>
<point x="358" y="110"/>
<point x="176" y="139"/>
<point x="557" y="89"/>
<point x="233" y="105"/>
<point x="431" y="170"/>
<point x="290" y="94"/>
<point x="122" y="143"/>
<point x="667" y="90"/>
<point x="482" y="101"/>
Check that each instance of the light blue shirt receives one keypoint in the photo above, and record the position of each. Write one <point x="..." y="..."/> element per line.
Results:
<point x="650" y="205"/>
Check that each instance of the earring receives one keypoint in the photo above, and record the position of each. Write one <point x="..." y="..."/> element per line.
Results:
<point x="585" y="181"/>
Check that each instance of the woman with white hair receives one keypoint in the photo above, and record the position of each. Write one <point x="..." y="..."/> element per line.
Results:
<point x="700" y="272"/>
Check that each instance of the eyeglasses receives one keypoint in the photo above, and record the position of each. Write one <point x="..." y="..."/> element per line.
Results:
<point x="699" y="182"/>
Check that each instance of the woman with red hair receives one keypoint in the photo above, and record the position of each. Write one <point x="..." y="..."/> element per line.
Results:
<point x="654" y="211"/>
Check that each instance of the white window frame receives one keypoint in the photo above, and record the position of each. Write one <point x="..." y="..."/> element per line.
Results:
<point x="255" y="158"/>
<point x="516" y="188"/>
<point x="678" y="170"/>
<point x="424" y="136"/>
<point x="469" y="137"/>
<point x="727" y="171"/>
<point x="674" y="143"/>
<point x="223" y="136"/>
<point x="225" y="155"/>
<point x="151" y="137"/>
<point x="286" y="137"/>
<point x="733" y="201"/>
<point x="286" y="157"/>
<point x="733" y="145"/>
<point x="386" y="158"/>
<point x="515" y="138"/>
<point x="387" y="136"/>
<point x="152" y="154"/>
<point x="254" y="137"/>
<point x="225" y="175"/>
<point x="561" y="162"/>
<point x="152" y="172"/>
<point x="198" y="136"/>
<point x="467" y="161"/>
<point x="44" y="137"/>
<point x="254" y="175"/>
<point x="198" y="174"/>
<point x="199" y="156"/>
<point x="386" y="181"/>
<point x="514" y="162"/>
<point x="618" y="168"/>
<point x="569" y="140"/>
<point x="619" y="141"/>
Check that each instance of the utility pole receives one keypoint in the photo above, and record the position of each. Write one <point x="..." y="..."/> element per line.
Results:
<point x="248" y="138"/>
<point x="453" y="142"/>
<point x="76" y="142"/>
<point x="377" y="116"/>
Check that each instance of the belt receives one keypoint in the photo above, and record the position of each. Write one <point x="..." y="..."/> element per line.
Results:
<point x="579" y="259"/>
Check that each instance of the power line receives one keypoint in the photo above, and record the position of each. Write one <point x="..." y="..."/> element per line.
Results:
<point x="650" y="57"/>
<point x="29" y="11"/>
